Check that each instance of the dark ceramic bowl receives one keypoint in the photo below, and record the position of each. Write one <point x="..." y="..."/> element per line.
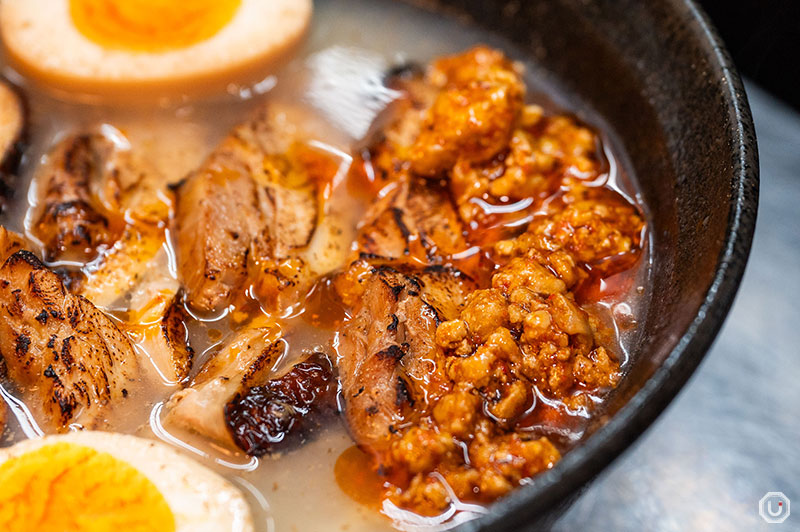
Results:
<point x="658" y="75"/>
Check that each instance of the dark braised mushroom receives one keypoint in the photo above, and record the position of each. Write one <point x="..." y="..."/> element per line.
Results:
<point x="283" y="411"/>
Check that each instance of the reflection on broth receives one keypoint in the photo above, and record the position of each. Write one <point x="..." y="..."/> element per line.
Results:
<point x="401" y="313"/>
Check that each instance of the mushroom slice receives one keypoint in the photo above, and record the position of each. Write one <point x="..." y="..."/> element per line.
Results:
<point x="246" y="361"/>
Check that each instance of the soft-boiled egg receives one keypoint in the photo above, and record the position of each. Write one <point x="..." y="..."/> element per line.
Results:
<point x="135" y="47"/>
<point x="100" y="481"/>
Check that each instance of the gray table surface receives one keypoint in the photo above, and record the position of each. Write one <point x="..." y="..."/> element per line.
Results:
<point x="733" y="433"/>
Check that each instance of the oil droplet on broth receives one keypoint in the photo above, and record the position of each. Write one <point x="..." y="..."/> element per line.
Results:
<point x="356" y="476"/>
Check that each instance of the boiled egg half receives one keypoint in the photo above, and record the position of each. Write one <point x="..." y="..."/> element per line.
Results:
<point x="101" y="482"/>
<point x="101" y="48"/>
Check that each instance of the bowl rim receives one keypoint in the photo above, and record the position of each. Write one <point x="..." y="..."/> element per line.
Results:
<point x="552" y="488"/>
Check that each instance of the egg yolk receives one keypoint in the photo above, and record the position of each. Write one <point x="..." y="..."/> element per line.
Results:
<point x="65" y="486"/>
<point x="150" y="25"/>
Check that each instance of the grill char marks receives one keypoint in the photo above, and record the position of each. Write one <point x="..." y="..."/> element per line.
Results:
<point x="285" y="411"/>
<point x="390" y="366"/>
<point x="72" y="365"/>
<point x="70" y="226"/>
<point x="415" y="218"/>
<point x="248" y="203"/>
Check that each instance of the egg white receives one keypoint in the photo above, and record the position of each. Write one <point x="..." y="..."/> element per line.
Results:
<point x="200" y="500"/>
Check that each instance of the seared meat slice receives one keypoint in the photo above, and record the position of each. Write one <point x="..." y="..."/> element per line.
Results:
<point x="70" y="226"/>
<point x="69" y="359"/>
<point x="246" y="361"/>
<point x="217" y="218"/>
<point x="283" y="411"/>
<point x="88" y="190"/>
<point x="415" y="218"/>
<point x="247" y="193"/>
<point x="132" y="202"/>
<point x="175" y="337"/>
<point x="391" y="368"/>
<point x="12" y="126"/>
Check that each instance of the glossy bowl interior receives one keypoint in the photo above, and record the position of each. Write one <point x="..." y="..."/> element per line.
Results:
<point x="660" y="79"/>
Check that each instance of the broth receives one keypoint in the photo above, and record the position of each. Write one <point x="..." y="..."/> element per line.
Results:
<point x="338" y="74"/>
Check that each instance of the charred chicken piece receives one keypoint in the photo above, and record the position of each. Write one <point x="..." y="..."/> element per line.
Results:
<point x="157" y="322"/>
<point x="248" y="198"/>
<point x="123" y="265"/>
<point x="103" y="203"/>
<point x="175" y="337"/>
<point x="70" y="226"/>
<point x="88" y="190"/>
<point x="284" y="411"/>
<point x="414" y="219"/>
<point x="68" y="358"/>
<point x="390" y="366"/>
<point x="12" y="128"/>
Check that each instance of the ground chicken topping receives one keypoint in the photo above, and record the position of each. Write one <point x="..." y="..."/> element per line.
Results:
<point x="472" y="118"/>
<point x="522" y="336"/>
<point x="466" y="122"/>
<point x="542" y="152"/>
<point x="588" y="230"/>
<point x="525" y="335"/>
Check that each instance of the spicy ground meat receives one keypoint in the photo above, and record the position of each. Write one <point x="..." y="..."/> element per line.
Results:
<point x="524" y="333"/>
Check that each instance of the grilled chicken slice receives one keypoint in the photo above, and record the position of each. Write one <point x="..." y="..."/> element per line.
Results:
<point x="247" y="197"/>
<point x="389" y="363"/>
<point x="174" y="337"/>
<point x="88" y="190"/>
<point x="415" y="218"/>
<point x="246" y="361"/>
<point x="12" y="127"/>
<point x="70" y="226"/>
<point x="130" y="202"/>
<point x="217" y="218"/>
<point x="144" y="203"/>
<point x="68" y="358"/>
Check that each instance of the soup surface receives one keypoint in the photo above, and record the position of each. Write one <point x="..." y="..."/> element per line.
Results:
<point x="545" y="275"/>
